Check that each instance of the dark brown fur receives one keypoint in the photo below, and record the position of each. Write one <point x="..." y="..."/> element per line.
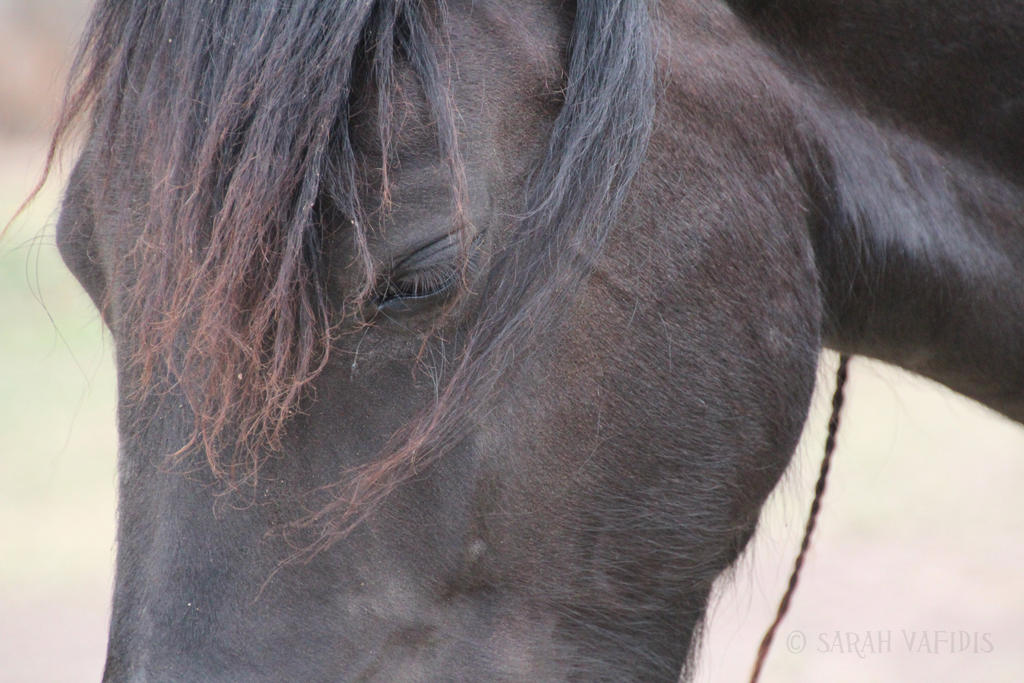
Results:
<point x="654" y="216"/>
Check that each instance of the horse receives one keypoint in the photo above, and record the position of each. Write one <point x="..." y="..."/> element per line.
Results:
<point x="464" y="340"/>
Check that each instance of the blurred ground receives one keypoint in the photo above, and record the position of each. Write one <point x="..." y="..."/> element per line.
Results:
<point x="914" y="573"/>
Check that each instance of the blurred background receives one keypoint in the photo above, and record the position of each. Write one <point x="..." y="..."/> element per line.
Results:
<point x="57" y="433"/>
<point x="914" y="573"/>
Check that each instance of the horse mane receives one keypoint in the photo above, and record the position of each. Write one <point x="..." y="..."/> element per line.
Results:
<point x="236" y="116"/>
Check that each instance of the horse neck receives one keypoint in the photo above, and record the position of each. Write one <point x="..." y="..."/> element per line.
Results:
<point x="953" y="70"/>
<point x="920" y="253"/>
<point x="911" y="120"/>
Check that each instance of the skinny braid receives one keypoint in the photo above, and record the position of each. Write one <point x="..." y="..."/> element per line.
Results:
<point x="819" y="491"/>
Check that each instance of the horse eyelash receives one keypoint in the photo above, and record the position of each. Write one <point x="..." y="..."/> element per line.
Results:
<point x="419" y="284"/>
<point x="410" y="284"/>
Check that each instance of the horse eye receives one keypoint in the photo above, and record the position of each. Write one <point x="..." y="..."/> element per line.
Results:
<point x="425" y="274"/>
<point x="416" y="286"/>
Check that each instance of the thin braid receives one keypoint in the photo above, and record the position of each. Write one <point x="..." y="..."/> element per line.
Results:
<point x="819" y="491"/>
